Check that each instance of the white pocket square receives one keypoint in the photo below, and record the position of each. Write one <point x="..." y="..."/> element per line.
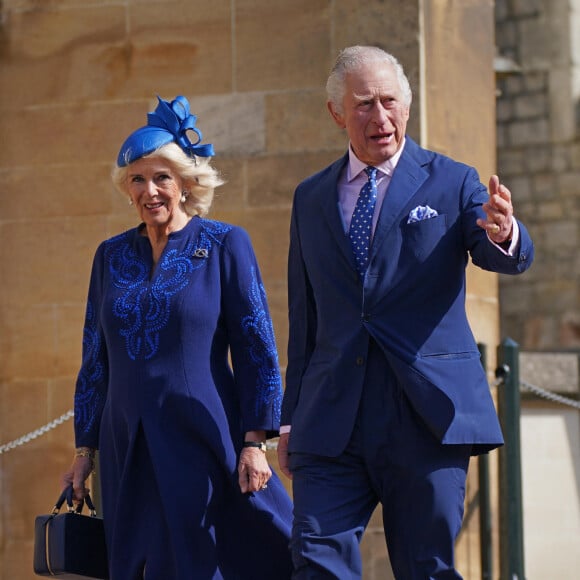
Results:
<point x="421" y="212"/>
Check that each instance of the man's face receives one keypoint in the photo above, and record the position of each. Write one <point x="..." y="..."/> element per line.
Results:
<point x="374" y="115"/>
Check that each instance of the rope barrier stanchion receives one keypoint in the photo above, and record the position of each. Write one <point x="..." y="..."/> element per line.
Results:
<point x="510" y="472"/>
<point x="501" y="372"/>
<point x="36" y="433"/>
<point x="549" y="395"/>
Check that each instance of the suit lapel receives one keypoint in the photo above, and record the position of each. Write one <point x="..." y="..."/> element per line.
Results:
<point x="327" y="192"/>
<point x="408" y="177"/>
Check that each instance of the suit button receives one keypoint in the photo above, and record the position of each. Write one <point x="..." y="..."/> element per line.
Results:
<point x="360" y="361"/>
<point x="366" y="317"/>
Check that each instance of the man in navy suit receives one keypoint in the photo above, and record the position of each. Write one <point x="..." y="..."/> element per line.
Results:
<point x="386" y="398"/>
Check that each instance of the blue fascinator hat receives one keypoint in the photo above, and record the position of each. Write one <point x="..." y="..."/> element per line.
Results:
<point x="170" y="122"/>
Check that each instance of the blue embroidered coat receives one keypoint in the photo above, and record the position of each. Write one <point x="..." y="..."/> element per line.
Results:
<point x="157" y="373"/>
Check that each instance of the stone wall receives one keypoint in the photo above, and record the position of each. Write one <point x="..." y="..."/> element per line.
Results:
<point x="78" y="75"/>
<point x="538" y="120"/>
<point x="550" y="454"/>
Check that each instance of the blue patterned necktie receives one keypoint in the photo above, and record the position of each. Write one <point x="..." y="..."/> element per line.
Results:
<point x="362" y="221"/>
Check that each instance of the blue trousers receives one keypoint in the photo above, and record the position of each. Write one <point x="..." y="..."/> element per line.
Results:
<point x="391" y="459"/>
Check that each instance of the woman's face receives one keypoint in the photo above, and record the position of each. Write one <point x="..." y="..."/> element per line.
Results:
<point x="155" y="190"/>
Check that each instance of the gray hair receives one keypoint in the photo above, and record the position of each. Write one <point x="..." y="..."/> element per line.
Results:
<point x="199" y="178"/>
<point x="353" y="57"/>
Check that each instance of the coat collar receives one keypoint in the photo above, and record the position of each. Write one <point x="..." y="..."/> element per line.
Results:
<point x="327" y="192"/>
<point x="407" y="178"/>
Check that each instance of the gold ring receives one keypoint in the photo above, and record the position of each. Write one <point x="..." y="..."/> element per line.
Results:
<point x="494" y="229"/>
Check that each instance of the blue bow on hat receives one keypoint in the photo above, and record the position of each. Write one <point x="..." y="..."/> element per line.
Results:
<point x="168" y="123"/>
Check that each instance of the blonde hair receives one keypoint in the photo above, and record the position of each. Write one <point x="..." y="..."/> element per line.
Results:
<point x="199" y="177"/>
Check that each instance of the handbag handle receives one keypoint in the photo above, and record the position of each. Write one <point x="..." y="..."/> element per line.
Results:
<point x="67" y="494"/>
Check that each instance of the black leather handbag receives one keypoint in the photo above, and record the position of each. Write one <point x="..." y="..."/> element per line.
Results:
<point x="70" y="545"/>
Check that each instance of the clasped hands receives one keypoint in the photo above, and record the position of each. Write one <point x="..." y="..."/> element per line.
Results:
<point x="499" y="212"/>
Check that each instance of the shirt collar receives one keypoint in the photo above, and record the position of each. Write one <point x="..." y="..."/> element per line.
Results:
<point x="356" y="166"/>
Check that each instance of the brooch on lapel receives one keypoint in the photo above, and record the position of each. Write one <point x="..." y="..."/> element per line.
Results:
<point x="420" y="213"/>
<point x="200" y="253"/>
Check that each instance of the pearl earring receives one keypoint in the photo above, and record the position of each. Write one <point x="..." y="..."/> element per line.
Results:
<point x="184" y="196"/>
<point x="130" y="201"/>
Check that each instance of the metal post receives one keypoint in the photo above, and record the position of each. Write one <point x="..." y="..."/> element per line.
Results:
<point x="510" y="473"/>
<point x="485" y="538"/>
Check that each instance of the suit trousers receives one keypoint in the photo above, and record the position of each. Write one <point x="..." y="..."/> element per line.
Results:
<point x="391" y="459"/>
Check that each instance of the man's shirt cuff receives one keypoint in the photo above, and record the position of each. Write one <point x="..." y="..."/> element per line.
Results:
<point x="510" y="251"/>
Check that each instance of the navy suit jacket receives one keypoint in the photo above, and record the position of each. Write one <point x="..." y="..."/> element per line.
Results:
<point x="412" y="303"/>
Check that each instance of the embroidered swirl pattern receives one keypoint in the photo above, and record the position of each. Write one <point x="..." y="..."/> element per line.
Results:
<point x="257" y="328"/>
<point x="87" y="398"/>
<point x="144" y="306"/>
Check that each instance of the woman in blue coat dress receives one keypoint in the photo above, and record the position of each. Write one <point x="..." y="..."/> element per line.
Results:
<point x="179" y="386"/>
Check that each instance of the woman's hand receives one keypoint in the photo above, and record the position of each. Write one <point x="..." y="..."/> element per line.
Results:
<point x="253" y="470"/>
<point x="77" y="475"/>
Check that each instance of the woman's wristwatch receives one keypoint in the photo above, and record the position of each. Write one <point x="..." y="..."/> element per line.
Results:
<point x="261" y="445"/>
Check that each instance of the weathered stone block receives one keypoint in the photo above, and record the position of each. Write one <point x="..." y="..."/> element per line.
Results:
<point x="57" y="49"/>
<point x="569" y="183"/>
<point x="544" y="186"/>
<point x="570" y="329"/>
<point x="533" y="132"/>
<point x="534" y="35"/>
<point x="511" y="163"/>
<point x="234" y="123"/>
<point x="51" y="266"/>
<point x="575" y="155"/>
<point x="539" y="331"/>
<point x="282" y="45"/>
<point x="530" y="106"/>
<point x="550" y="211"/>
<point x="512" y="85"/>
<point x="28" y="348"/>
<point x="273" y="179"/>
<point x="553" y="371"/>
<point x="504" y="111"/>
<point x="268" y="230"/>
<point x="535" y="81"/>
<point x="516" y="298"/>
<point x="300" y="122"/>
<point x="376" y="25"/>
<point x="540" y="159"/>
<point x="65" y="191"/>
<point x="521" y="189"/>
<point x="176" y="48"/>
<point x="68" y="331"/>
<point x="81" y="133"/>
<point x="562" y="235"/>
<point x="484" y="319"/>
<point x="233" y="195"/>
